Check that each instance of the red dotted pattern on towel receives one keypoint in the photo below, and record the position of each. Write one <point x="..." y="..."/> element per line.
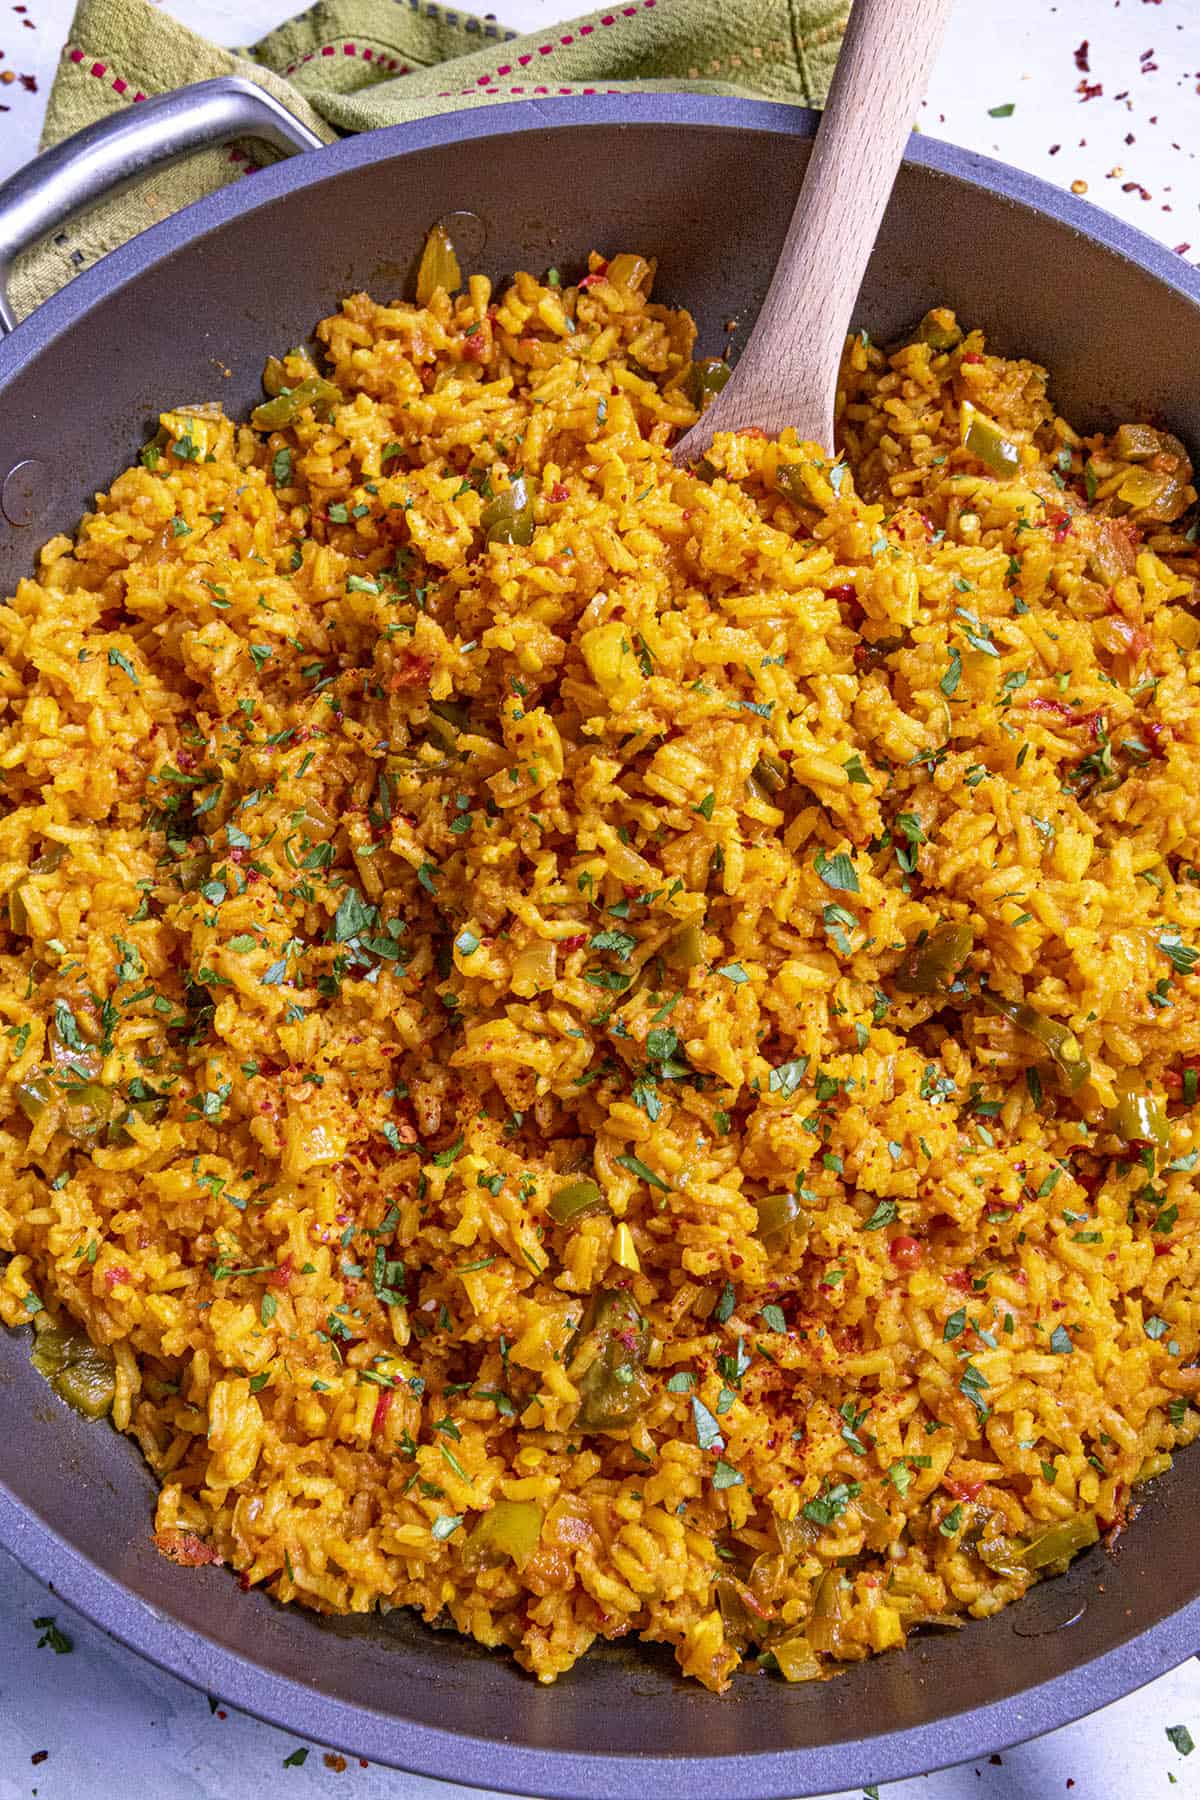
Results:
<point x="119" y="86"/>
<point x="498" y="93"/>
<point x="100" y="71"/>
<point x="484" y="83"/>
<point x="392" y="64"/>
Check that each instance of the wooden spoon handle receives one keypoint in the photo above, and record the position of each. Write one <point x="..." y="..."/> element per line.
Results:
<point x="787" y="374"/>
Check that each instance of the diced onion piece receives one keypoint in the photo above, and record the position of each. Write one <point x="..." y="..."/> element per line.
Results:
<point x="624" y="1250"/>
<point x="797" y="1659"/>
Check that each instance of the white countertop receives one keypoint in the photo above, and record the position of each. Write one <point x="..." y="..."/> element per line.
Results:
<point x="1103" y="92"/>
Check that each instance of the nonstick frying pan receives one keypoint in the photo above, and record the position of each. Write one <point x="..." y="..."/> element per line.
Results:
<point x="187" y="312"/>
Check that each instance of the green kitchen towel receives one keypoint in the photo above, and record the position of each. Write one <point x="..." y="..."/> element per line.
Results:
<point x="350" y="65"/>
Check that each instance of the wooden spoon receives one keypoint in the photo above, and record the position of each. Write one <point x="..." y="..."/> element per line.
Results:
<point x="787" y="374"/>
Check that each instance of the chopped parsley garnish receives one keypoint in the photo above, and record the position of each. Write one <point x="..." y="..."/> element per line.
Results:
<point x="661" y="1043"/>
<point x="786" y="1077"/>
<point x="708" y="1432"/>
<point x="353" y="917"/>
<point x="971" y="1384"/>
<point x="52" y="1638"/>
<point x="66" y="1026"/>
<point x="637" y="1167"/>
<point x="837" y="871"/>
<point x="953" y="675"/>
<point x="829" y="1506"/>
<point x="620" y="943"/>
<point x="118" y="660"/>
<point x="1181" y="956"/>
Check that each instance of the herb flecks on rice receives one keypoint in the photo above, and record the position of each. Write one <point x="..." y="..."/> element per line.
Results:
<point x="591" y="1049"/>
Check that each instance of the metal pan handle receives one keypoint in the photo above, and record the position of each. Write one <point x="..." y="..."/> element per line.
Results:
<point x="114" y="152"/>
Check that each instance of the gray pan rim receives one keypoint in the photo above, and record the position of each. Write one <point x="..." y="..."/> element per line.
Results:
<point x="197" y="1658"/>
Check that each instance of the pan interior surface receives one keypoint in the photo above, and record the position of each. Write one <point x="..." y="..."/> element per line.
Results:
<point x="187" y="314"/>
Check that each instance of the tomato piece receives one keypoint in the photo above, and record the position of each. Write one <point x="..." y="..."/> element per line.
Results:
<point x="906" y="1252"/>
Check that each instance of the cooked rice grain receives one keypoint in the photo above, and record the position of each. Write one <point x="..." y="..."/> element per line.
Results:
<point x="416" y="938"/>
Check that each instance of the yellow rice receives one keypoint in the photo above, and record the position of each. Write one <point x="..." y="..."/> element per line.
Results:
<point x="635" y="907"/>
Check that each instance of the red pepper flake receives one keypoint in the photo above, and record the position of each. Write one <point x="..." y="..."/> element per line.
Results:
<point x="29" y="83"/>
<point x="1135" y="187"/>
<point x="1059" y="708"/>
<point x="413" y="669"/>
<point x="335" y="1762"/>
<point x="1089" y="90"/>
<point x="1081" y="59"/>
<point x="477" y="344"/>
<point x="382" y="1408"/>
<point x="971" y="356"/>
<point x="38" y="1758"/>
<point x="558" y="493"/>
